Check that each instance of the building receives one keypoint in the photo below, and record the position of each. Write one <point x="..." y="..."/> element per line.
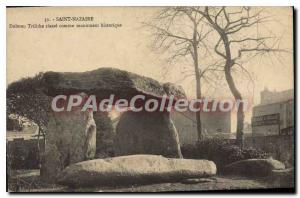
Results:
<point x="214" y="124"/>
<point x="275" y="114"/>
<point x="19" y="127"/>
<point x="269" y="97"/>
<point x="247" y="129"/>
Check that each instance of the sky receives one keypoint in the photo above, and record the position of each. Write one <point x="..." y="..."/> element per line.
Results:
<point x="30" y="51"/>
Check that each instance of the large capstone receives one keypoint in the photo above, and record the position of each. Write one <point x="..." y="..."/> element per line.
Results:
<point x="70" y="138"/>
<point x="147" y="133"/>
<point x="134" y="169"/>
<point x="106" y="81"/>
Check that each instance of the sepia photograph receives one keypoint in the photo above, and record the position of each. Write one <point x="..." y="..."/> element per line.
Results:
<point x="150" y="99"/>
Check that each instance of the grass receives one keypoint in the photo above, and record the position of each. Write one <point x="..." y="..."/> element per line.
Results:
<point x="29" y="181"/>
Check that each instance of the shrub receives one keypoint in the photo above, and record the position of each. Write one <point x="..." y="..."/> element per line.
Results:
<point x="250" y="153"/>
<point x="22" y="154"/>
<point x="221" y="152"/>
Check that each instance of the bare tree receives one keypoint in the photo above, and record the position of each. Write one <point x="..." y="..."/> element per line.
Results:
<point x="237" y="39"/>
<point x="179" y="31"/>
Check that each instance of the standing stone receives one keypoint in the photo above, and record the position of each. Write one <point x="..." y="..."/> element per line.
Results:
<point x="105" y="135"/>
<point x="147" y="133"/>
<point x="71" y="138"/>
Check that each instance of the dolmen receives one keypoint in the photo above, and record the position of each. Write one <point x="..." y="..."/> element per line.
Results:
<point x="134" y="169"/>
<point x="71" y="135"/>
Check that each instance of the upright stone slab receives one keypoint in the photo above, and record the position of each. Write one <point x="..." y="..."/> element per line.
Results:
<point x="71" y="138"/>
<point x="147" y="133"/>
<point x="105" y="135"/>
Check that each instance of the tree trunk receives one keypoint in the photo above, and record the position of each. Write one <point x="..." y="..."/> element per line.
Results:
<point x="40" y="152"/>
<point x="38" y="146"/>
<point x="229" y="63"/>
<point x="235" y="92"/>
<point x="198" y="86"/>
<point x="240" y="113"/>
<point x="198" y="113"/>
<point x="240" y="127"/>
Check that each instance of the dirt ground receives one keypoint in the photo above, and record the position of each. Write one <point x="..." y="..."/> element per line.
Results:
<point x="29" y="181"/>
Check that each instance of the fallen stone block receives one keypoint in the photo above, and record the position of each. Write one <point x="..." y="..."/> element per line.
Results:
<point x="134" y="169"/>
<point x="254" y="167"/>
